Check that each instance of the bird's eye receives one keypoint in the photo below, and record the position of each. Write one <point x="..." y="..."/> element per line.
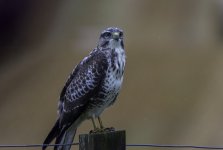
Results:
<point x="121" y="34"/>
<point x="107" y="35"/>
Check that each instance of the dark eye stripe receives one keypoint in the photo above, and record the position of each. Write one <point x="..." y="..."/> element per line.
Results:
<point x="122" y="44"/>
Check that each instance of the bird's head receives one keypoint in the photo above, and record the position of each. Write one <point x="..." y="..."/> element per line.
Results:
<point x="111" y="38"/>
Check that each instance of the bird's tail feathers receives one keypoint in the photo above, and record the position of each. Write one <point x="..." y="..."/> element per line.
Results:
<point x="60" y="137"/>
<point x="69" y="139"/>
<point x="53" y="133"/>
<point x="66" y="138"/>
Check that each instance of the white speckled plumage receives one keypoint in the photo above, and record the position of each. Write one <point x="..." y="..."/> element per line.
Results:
<point x="93" y="86"/>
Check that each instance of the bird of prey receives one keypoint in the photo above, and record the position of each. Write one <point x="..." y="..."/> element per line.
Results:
<point x="93" y="85"/>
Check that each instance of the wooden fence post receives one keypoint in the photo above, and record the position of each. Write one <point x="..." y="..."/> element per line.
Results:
<point x="103" y="141"/>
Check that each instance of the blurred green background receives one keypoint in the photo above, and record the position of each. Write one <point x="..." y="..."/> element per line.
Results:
<point x="173" y="86"/>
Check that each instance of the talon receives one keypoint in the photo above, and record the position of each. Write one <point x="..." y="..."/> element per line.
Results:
<point x="100" y="129"/>
<point x="111" y="129"/>
<point x="97" y="130"/>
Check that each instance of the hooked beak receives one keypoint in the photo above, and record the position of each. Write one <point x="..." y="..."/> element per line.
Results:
<point x="115" y="35"/>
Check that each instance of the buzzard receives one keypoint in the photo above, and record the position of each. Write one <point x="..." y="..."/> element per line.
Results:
<point x="93" y="85"/>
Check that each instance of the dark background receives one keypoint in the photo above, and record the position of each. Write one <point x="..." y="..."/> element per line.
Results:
<point x="173" y="86"/>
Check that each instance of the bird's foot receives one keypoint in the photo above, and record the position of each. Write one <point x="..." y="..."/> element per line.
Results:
<point x="101" y="130"/>
<point x="111" y="129"/>
<point x="96" y="130"/>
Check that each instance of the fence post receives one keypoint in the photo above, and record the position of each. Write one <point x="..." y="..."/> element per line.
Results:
<point x="103" y="141"/>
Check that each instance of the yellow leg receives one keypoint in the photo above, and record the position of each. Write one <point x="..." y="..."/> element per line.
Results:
<point x="100" y="122"/>
<point x="93" y="122"/>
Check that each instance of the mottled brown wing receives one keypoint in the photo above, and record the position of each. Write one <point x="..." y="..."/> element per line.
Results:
<point x="82" y="84"/>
